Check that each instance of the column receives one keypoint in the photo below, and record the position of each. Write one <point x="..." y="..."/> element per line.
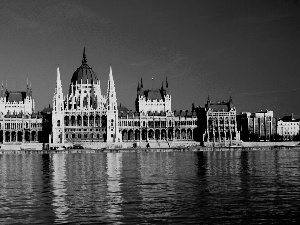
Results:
<point x="94" y="119"/>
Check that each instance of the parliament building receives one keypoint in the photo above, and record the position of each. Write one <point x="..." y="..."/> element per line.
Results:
<point x="86" y="115"/>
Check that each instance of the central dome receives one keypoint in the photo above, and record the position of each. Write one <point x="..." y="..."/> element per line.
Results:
<point x="84" y="73"/>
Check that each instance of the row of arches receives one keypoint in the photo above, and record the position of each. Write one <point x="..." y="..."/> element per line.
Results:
<point x="21" y="125"/>
<point x="220" y="136"/>
<point x="19" y="136"/>
<point x="85" y="120"/>
<point x="157" y="123"/>
<point x="85" y="136"/>
<point x="157" y="134"/>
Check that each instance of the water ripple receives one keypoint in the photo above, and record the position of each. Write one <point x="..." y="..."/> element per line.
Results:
<point x="253" y="187"/>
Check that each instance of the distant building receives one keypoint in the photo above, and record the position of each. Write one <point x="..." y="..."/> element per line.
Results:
<point x="18" y="122"/>
<point x="220" y="127"/>
<point x="288" y="128"/>
<point x="153" y="118"/>
<point x="258" y="126"/>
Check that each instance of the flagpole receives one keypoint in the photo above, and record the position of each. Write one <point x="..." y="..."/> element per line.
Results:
<point x="152" y="83"/>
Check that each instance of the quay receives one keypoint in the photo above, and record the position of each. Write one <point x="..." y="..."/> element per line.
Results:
<point x="138" y="150"/>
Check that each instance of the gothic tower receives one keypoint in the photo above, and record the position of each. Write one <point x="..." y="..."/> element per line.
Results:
<point x="112" y="111"/>
<point x="58" y="112"/>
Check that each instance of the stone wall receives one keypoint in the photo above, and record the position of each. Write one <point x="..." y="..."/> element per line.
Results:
<point x="269" y="143"/>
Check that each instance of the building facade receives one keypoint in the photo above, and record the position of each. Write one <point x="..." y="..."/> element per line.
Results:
<point x="153" y="118"/>
<point x="288" y="128"/>
<point x="258" y="126"/>
<point x="85" y="114"/>
<point x="220" y="123"/>
<point x="18" y="122"/>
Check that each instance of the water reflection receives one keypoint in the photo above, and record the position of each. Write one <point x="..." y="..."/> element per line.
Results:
<point x="114" y="195"/>
<point x="59" y="189"/>
<point x="151" y="187"/>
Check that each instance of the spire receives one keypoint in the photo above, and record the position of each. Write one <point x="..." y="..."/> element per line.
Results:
<point x="138" y="87"/>
<point x="167" y="84"/>
<point x="30" y="90"/>
<point x="58" y="81"/>
<point x="111" y="92"/>
<point x="27" y="89"/>
<point x="162" y="85"/>
<point x="58" y="95"/>
<point x="2" y="90"/>
<point x="110" y="73"/>
<point x="84" y="61"/>
<point x="142" y="83"/>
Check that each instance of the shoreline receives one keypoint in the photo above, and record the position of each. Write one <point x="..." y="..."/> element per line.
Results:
<point x="138" y="150"/>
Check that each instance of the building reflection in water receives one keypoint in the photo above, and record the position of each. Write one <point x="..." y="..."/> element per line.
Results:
<point x="245" y="175"/>
<point x="59" y="189"/>
<point x="114" y="194"/>
<point x="158" y="176"/>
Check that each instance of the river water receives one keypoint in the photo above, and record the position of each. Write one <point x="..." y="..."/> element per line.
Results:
<point x="235" y="186"/>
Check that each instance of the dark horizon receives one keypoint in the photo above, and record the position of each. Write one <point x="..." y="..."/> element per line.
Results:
<point x="249" y="50"/>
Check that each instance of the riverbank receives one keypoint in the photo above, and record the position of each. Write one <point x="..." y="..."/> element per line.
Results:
<point x="93" y="147"/>
<point x="137" y="150"/>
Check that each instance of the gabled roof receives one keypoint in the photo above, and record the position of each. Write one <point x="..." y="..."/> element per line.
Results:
<point x="289" y="119"/>
<point x="47" y="110"/>
<point x="219" y="105"/>
<point x="153" y="94"/>
<point x="15" y="96"/>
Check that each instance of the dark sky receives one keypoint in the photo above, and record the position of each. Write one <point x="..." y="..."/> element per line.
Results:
<point x="247" y="49"/>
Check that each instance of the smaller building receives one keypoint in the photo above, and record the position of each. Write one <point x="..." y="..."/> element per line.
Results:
<point x="220" y="123"/>
<point x="257" y="126"/>
<point x="154" y="119"/>
<point x="288" y="128"/>
<point x="18" y="122"/>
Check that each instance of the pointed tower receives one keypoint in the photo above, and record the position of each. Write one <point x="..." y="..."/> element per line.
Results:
<point x="58" y="112"/>
<point x="2" y="99"/>
<point x="112" y="133"/>
<point x="27" y="89"/>
<point x="28" y="101"/>
<point x="167" y="86"/>
<point x="2" y="91"/>
<point x="84" y="60"/>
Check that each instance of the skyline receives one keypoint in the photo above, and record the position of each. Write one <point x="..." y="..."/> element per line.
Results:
<point x="249" y="50"/>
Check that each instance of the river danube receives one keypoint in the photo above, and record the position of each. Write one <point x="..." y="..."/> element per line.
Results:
<point x="234" y="186"/>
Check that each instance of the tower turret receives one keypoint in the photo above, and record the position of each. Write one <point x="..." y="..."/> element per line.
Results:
<point x="112" y="111"/>
<point x="58" y="112"/>
<point x="167" y="86"/>
<point x="2" y="91"/>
